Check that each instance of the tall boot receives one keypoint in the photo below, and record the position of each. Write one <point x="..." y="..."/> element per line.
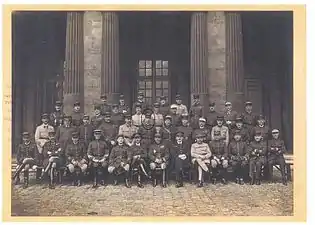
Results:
<point x="127" y="180"/>
<point x="103" y="176"/>
<point x="241" y="176"/>
<point x="237" y="175"/>
<point x="52" y="178"/>
<point x="177" y="180"/>
<point x="215" y="175"/>
<point x="139" y="183"/>
<point x="252" y="181"/>
<point x="283" y="175"/>
<point x="164" y="178"/>
<point x="74" y="178"/>
<point x="17" y="179"/>
<point x="95" y="179"/>
<point x="79" y="178"/>
<point x="154" y="178"/>
<point x="38" y="175"/>
<point x="223" y="175"/>
<point x="25" y="184"/>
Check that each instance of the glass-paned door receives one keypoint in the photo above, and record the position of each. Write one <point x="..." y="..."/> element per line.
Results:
<point x="153" y="79"/>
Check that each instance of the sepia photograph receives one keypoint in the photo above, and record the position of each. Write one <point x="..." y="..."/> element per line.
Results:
<point x="152" y="113"/>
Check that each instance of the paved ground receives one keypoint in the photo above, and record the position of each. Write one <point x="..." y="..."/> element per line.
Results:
<point x="219" y="200"/>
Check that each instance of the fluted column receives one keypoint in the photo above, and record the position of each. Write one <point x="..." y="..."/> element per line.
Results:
<point x="234" y="60"/>
<point x="73" y="80"/>
<point x="199" y="56"/>
<point x="110" y="56"/>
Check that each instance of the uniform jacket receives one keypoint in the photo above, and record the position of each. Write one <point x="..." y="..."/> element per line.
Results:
<point x="257" y="149"/>
<point x="237" y="148"/>
<point x="137" y="119"/>
<point x="143" y="105"/>
<point x="204" y="130"/>
<point x="41" y="135"/>
<point x="276" y="147"/>
<point x="218" y="148"/>
<point x="76" y="118"/>
<point x="127" y="131"/>
<point x="119" y="154"/>
<point x="159" y="151"/>
<point x="181" y="109"/>
<point x="105" y="108"/>
<point x="109" y="131"/>
<point x="176" y="120"/>
<point x="179" y="149"/>
<point x="86" y="133"/>
<point x="56" y="118"/>
<point x="224" y="133"/>
<point x="212" y="118"/>
<point x="197" y="110"/>
<point x="26" y="151"/>
<point x="198" y="150"/>
<point x="243" y="131"/>
<point x="187" y="130"/>
<point x="54" y="149"/>
<point x="117" y="119"/>
<point x="168" y="133"/>
<point x="158" y="119"/>
<point x="230" y="116"/>
<point x="138" y="150"/>
<point x="146" y="134"/>
<point x="96" y="121"/>
<point x="64" y="134"/>
<point x="249" y="118"/>
<point x="263" y="130"/>
<point x="98" y="149"/>
<point x="75" y="152"/>
<point x="123" y="109"/>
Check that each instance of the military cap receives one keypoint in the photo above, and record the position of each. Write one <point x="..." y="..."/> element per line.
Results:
<point x="76" y="104"/>
<point x="45" y="116"/>
<point x="51" y="133"/>
<point x="58" y="103"/>
<point x="211" y="104"/>
<point x="275" y="131"/>
<point x="220" y="117"/>
<point x="196" y="96"/>
<point x="217" y="132"/>
<point x="25" y="134"/>
<point x="168" y="117"/>
<point x="179" y="134"/>
<point x="115" y="105"/>
<point x="138" y="104"/>
<point x="173" y="106"/>
<point x="67" y="117"/>
<point x="185" y="116"/>
<point x="107" y="114"/>
<point x="202" y="119"/>
<point x="239" y="119"/>
<point x="260" y="117"/>
<point x="97" y="106"/>
<point x="97" y="131"/>
<point x="157" y="135"/>
<point x="86" y="117"/>
<point x="162" y="97"/>
<point x="200" y="135"/>
<point x="140" y="93"/>
<point x="156" y="104"/>
<point x="127" y="116"/>
<point x="248" y="103"/>
<point x="178" y="96"/>
<point x="120" y="135"/>
<point x="103" y="96"/>
<point x="228" y="103"/>
<point x="121" y="96"/>
<point x="137" y="135"/>
<point x="75" y="134"/>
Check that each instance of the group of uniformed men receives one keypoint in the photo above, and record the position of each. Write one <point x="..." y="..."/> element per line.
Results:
<point x="151" y="142"/>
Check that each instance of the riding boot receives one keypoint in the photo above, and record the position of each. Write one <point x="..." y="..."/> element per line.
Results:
<point x="223" y="174"/>
<point x="73" y="178"/>
<point x="79" y="179"/>
<point x="200" y="184"/>
<point x="164" y="178"/>
<point x="52" y="179"/>
<point x="95" y="178"/>
<point x="252" y="181"/>
<point x="127" y="180"/>
<point x="154" y="178"/>
<point x="177" y="180"/>
<point x="139" y="183"/>
<point x="283" y="175"/>
<point x="26" y="173"/>
<point x="38" y="175"/>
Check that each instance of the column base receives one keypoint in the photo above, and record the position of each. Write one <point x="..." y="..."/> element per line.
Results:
<point x="68" y="102"/>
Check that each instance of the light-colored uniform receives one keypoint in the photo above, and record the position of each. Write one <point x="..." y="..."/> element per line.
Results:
<point x="41" y="135"/>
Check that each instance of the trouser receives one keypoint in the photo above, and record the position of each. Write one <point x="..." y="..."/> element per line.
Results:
<point x="27" y="163"/>
<point x="255" y="166"/>
<point x="200" y="166"/>
<point x="180" y="164"/>
<point x="219" y="167"/>
<point x="77" y="168"/>
<point x="276" y="160"/>
<point x="239" y="168"/>
<point x="154" y="166"/>
<point x="99" y="170"/>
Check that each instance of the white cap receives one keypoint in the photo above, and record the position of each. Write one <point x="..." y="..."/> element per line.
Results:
<point x="202" y="119"/>
<point x="173" y="106"/>
<point x="228" y="103"/>
<point x="275" y="131"/>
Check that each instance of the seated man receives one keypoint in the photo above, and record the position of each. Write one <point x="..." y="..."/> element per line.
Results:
<point x="53" y="158"/>
<point x="202" y="128"/>
<point x="138" y="153"/>
<point x="219" y="160"/>
<point x="276" y="149"/>
<point x="180" y="153"/>
<point x="98" y="153"/>
<point x="25" y="158"/>
<point x="200" y="154"/>
<point x="159" y="155"/>
<point x="119" y="161"/>
<point x="257" y="151"/>
<point x="76" y="159"/>
<point x="238" y="158"/>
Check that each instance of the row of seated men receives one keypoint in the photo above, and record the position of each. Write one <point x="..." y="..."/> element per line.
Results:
<point x="152" y="147"/>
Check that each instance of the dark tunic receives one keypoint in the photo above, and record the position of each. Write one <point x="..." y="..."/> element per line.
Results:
<point x="212" y="118"/>
<point x="143" y="106"/>
<point x="138" y="150"/>
<point x="237" y="151"/>
<point x="276" y="149"/>
<point x="263" y="130"/>
<point x="26" y="151"/>
<point x="218" y="148"/>
<point x="179" y="149"/>
<point x="197" y="110"/>
<point x="75" y="152"/>
<point x="159" y="151"/>
<point x="86" y="134"/>
<point x="205" y="131"/>
<point x="55" y="149"/>
<point x="77" y="118"/>
<point x="147" y="136"/>
<point x="117" y="119"/>
<point x="176" y="120"/>
<point x="118" y="155"/>
<point x="56" y="118"/>
<point x="96" y="121"/>
<point x="64" y="135"/>
<point x="164" y="109"/>
<point x="98" y="149"/>
<point x="168" y="134"/>
<point x="249" y="119"/>
<point x="109" y="131"/>
<point x="244" y="134"/>
<point x="188" y="131"/>
<point x="105" y="108"/>
<point x="124" y="109"/>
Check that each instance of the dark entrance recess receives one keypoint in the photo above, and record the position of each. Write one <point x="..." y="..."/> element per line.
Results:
<point x="154" y="54"/>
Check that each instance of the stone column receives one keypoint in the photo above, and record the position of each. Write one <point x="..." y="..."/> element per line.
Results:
<point x="198" y="56"/>
<point x="73" y="81"/>
<point x="92" y="59"/>
<point x="234" y="60"/>
<point x="110" y="56"/>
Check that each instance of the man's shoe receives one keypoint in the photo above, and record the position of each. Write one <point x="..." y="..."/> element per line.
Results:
<point x="241" y="182"/>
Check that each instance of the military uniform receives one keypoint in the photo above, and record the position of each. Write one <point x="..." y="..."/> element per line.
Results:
<point x="243" y="131"/>
<point x="157" y="117"/>
<point x="187" y="132"/>
<point x="180" y="108"/>
<point x="119" y="161"/>
<point x="86" y="132"/>
<point x="276" y="149"/>
<point x="26" y="158"/>
<point x="109" y="130"/>
<point x="238" y="158"/>
<point x="204" y="130"/>
<point x="168" y="133"/>
<point x="219" y="158"/>
<point x="230" y="116"/>
<point x="212" y="116"/>
<point x="117" y="117"/>
<point x="76" y="159"/>
<point x="76" y="116"/>
<point x="97" y="119"/>
<point x="196" y="109"/>
<point x="180" y="152"/>
<point x="264" y="130"/>
<point x="122" y="107"/>
<point x="64" y="134"/>
<point x="249" y="117"/>
<point x="105" y="107"/>
<point x="147" y="136"/>
<point x="128" y="130"/>
<point x="141" y="102"/>
<point x="159" y="155"/>
<point x="98" y="153"/>
<point x="224" y="131"/>
<point x="57" y="116"/>
<point x="164" y="107"/>
<point x="257" y="152"/>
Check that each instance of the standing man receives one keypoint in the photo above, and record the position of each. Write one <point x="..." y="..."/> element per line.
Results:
<point x="276" y="149"/>
<point x="202" y="129"/>
<point x="119" y="161"/>
<point x="146" y="131"/>
<point x="98" y="118"/>
<point x="175" y="117"/>
<point x="196" y="111"/>
<point x="219" y="160"/>
<point x="224" y="131"/>
<point x="105" y="107"/>
<point x="64" y="132"/>
<point x="164" y="107"/>
<point x="57" y="116"/>
<point x="98" y="153"/>
<point x="109" y="130"/>
<point x="86" y="131"/>
<point x="138" y="117"/>
<point x="26" y="159"/>
<point x="257" y="151"/>
<point x="212" y="116"/>
<point x="127" y="130"/>
<point x="140" y="99"/>
<point x="41" y="136"/>
<point x="229" y="115"/>
<point x="156" y="115"/>
<point x="77" y="115"/>
<point x="248" y="116"/>
<point x="180" y="153"/>
<point x="76" y="159"/>
<point x="117" y="117"/>
<point x="239" y="127"/>
<point x="186" y="129"/>
<point x="262" y="128"/>
<point x="122" y="107"/>
<point x="181" y="108"/>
